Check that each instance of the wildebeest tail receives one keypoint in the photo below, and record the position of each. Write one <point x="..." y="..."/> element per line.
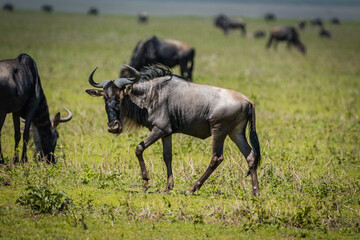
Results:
<point x="253" y="136"/>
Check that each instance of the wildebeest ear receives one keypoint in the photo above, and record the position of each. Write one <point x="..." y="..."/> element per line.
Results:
<point x="95" y="92"/>
<point x="56" y="120"/>
<point x="128" y="89"/>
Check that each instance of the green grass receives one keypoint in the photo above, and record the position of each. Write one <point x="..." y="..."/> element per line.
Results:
<point x="307" y="120"/>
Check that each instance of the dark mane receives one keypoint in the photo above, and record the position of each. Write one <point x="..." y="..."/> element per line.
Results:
<point x="154" y="71"/>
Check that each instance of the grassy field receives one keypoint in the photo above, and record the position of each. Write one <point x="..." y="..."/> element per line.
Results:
<point x="307" y="120"/>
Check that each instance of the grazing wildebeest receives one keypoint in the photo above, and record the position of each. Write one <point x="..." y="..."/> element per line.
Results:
<point x="269" y="17"/>
<point x="302" y="24"/>
<point x="168" y="104"/>
<point x="317" y="21"/>
<point x="93" y="11"/>
<point x="22" y="95"/>
<point x="143" y="17"/>
<point x="259" y="34"/>
<point x="335" y="21"/>
<point x="288" y="34"/>
<point x="169" y="52"/>
<point x="8" y="7"/>
<point x="47" y="8"/>
<point x="225" y="23"/>
<point x="324" y="33"/>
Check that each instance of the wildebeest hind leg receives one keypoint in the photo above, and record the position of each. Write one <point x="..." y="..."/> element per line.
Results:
<point x="17" y="135"/>
<point x="217" y="158"/>
<point x="154" y="135"/>
<point x="2" y="119"/>
<point x="167" y="155"/>
<point x="238" y="137"/>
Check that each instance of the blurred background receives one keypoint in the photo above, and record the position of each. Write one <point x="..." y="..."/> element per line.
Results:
<point x="343" y="9"/>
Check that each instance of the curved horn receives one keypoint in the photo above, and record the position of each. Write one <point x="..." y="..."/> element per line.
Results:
<point x="93" y="83"/>
<point x="68" y="118"/>
<point x="134" y="71"/>
<point x="120" y="82"/>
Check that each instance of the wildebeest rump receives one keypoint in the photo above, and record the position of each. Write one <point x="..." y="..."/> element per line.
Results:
<point x="22" y="95"/>
<point x="226" y="23"/>
<point x="169" y="52"/>
<point x="288" y="34"/>
<point x="167" y="104"/>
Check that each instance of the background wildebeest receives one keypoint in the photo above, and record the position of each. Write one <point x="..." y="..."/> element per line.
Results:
<point x="288" y="34"/>
<point x="269" y="17"/>
<point x="22" y="95"/>
<point x="335" y="21"/>
<point x="47" y="8"/>
<point x="8" y="7"/>
<point x="316" y="21"/>
<point x="167" y="104"/>
<point x="225" y="23"/>
<point x="169" y="52"/>
<point x="302" y="24"/>
<point x="259" y="34"/>
<point x="143" y="17"/>
<point x="93" y="11"/>
<point x="324" y="33"/>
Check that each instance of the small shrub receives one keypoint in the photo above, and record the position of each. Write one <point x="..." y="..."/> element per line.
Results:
<point x="42" y="200"/>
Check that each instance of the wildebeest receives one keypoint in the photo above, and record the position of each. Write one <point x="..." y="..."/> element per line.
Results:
<point x="143" y="17"/>
<point x="168" y="104"/>
<point x="335" y="21"/>
<point x="269" y="17"/>
<point x="316" y="21"/>
<point x="22" y="95"/>
<point x="324" y="33"/>
<point x="169" y="52"/>
<point x="259" y="34"/>
<point x="225" y="23"/>
<point x="93" y="11"/>
<point x="47" y="8"/>
<point x="288" y="34"/>
<point x="8" y="7"/>
<point x="302" y="24"/>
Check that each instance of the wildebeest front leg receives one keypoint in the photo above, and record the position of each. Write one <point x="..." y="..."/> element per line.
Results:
<point x="26" y="133"/>
<point x="154" y="135"/>
<point x="217" y="158"/>
<point x="2" y="119"/>
<point x="17" y="135"/>
<point x="167" y="155"/>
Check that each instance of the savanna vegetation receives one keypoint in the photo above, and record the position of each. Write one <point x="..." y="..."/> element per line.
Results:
<point x="307" y="120"/>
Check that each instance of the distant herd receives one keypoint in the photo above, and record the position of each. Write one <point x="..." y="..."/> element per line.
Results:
<point x="148" y="94"/>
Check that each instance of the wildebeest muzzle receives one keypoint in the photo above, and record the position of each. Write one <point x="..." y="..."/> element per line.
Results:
<point x="114" y="127"/>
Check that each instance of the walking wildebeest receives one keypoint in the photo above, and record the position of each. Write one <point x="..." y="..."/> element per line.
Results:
<point x="317" y="21"/>
<point x="168" y="104"/>
<point x="93" y="11"/>
<point x="259" y="34"/>
<point x="269" y="17"/>
<point x="8" y="7"/>
<point x="143" y="17"/>
<point x="47" y="8"/>
<point x="302" y="24"/>
<point x="22" y="95"/>
<point x="169" y="52"/>
<point x="324" y="33"/>
<point x="225" y="23"/>
<point x="288" y="34"/>
<point x="335" y="21"/>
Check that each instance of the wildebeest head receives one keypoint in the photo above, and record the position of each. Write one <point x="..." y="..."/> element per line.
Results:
<point x="114" y="93"/>
<point x="45" y="139"/>
<point x="301" y="47"/>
